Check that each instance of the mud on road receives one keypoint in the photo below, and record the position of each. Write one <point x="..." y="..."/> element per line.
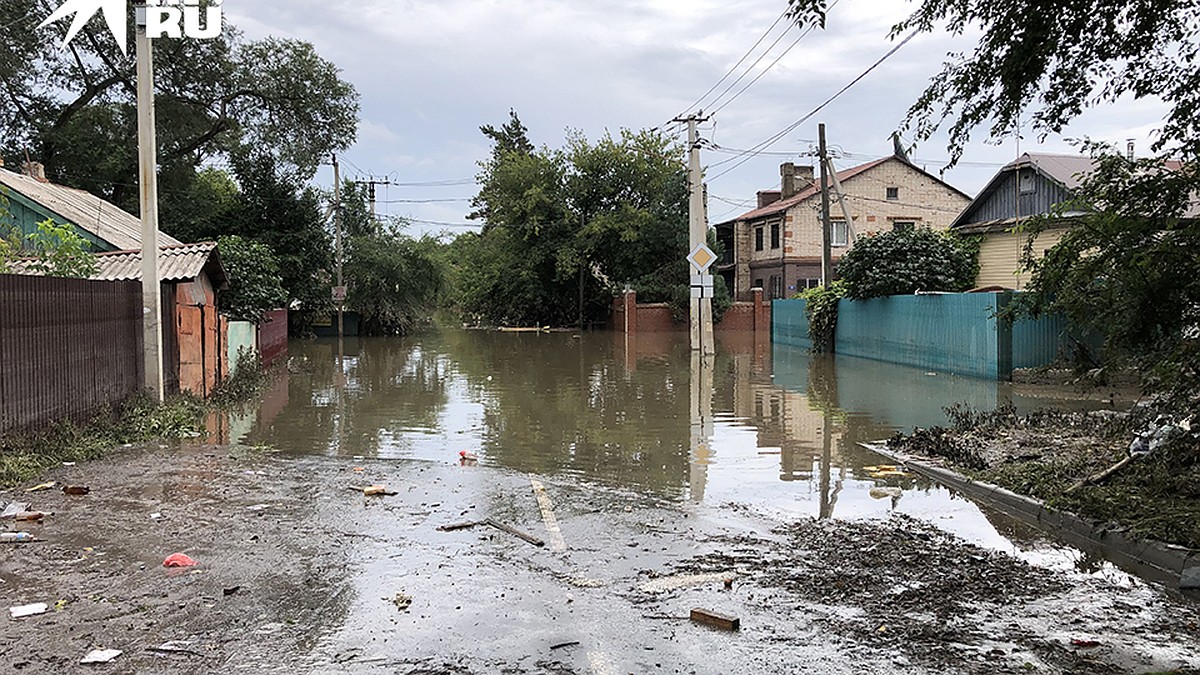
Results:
<point x="299" y="574"/>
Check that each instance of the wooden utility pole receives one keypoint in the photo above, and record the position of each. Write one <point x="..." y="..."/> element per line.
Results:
<point x="700" y="314"/>
<point x="152" y="344"/>
<point x="371" y="191"/>
<point x="337" y="230"/>
<point x="826" y="254"/>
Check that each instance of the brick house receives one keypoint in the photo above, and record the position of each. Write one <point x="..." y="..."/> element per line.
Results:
<point x="777" y="246"/>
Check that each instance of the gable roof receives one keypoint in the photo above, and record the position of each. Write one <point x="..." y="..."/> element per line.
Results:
<point x="183" y="262"/>
<point x="814" y="190"/>
<point x="84" y="210"/>
<point x="1066" y="170"/>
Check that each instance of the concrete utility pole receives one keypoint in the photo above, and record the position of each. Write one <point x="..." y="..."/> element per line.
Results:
<point x="337" y="230"/>
<point x="826" y="254"/>
<point x="152" y="348"/>
<point x="700" y="314"/>
<point x="371" y="191"/>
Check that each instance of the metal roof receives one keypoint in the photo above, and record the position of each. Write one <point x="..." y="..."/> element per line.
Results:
<point x="84" y="210"/>
<point x="175" y="263"/>
<point x="1067" y="170"/>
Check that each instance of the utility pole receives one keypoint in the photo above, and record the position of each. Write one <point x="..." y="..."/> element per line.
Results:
<point x="700" y="314"/>
<point x="337" y="229"/>
<point x="152" y="348"/>
<point x="826" y="254"/>
<point x="371" y="191"/>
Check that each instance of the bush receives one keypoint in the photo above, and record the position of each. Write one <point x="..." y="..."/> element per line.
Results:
<point x="821" y="309"/>
<point x="902" y="262"/>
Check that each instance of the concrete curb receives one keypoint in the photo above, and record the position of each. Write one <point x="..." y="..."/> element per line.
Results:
<point x="1173" y="565"/>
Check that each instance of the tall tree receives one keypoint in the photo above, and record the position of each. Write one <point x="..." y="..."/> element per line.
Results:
<point x="73" y="109"/>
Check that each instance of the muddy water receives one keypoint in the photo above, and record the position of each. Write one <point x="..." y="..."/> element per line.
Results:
<point x="781" y="434"/>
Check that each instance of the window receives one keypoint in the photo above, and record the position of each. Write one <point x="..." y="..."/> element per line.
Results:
<point x="757" y="283"/>
<point x="903" y="225"/>
<point x="893" y="194"/>
<point x="774" y="235"/>
<point x="839" y="234"/>
<point x="776" y="291"/>
<point x="812" y="283"/>
<point x="1025" y="180"/>
<point x="758" y="239"/>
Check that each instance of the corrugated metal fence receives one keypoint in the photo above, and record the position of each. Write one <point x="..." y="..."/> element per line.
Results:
<point x="68" y="348"/>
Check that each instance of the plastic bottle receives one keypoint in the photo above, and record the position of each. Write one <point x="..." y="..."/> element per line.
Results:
<point x="15" y="537"/>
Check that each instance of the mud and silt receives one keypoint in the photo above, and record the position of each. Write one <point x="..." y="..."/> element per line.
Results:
<point x="297" y="573"/>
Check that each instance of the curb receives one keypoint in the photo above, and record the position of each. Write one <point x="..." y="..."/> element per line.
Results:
<point x="1173" y="565"/>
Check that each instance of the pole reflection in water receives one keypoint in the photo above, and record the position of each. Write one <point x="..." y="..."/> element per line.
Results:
<point x="701" y="423"/>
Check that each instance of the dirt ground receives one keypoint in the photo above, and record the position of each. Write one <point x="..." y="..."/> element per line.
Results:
<point x="299" y="574"/>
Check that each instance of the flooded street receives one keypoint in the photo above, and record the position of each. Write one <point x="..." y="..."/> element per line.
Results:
<point x="648" y="497"/>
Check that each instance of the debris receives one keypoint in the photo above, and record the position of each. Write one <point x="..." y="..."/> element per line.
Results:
<point x="28" y="610"/>
<point x="175" y="647"/>
<point x="467" y="458"/>
<point x="515" y="532"/>
<point x="43" y="486"/>
<point x="1190" y="579"/>
<point x="30" y="516"/>
<point x="76" y="489"/>
<point x="376" y="490"/>
<point x="889" y="473"/>
<point x="402" y="602"/>
<point x="715" y="620"/>
<point x="101" y="655"/>
<point x="68" y="463"/>
<point x="560" y="645"/>
<point x="155" y="516"/>
<point x="13" y="509"/>
<point x="230" y="591"/>
<point x="359" y="469"/>
<point x="728" y="584"/>
<point x="459" y="526"/>
<point x="770" y="452"/>
<point x="178" y="560"/>
<point x="677" y="581"/>
<point x="16" y="537"/>
<point x="1084" y="644"/>
<point x="885" y="492"/>
<point x="258" y="507"/>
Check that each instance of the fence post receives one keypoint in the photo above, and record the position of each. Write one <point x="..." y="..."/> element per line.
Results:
<point x="630" y="311"/>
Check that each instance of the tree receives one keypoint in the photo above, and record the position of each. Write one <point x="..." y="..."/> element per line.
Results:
<point x="902" y="262"/>
<point x="75" y="107"/>
<point x="58" y="251"/>
<point x="1052" y="59"/>
<point x="254" y="282"/>
<point x="565" y="228"/>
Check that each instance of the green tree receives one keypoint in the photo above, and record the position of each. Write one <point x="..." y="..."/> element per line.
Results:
<point x="254" y="282"/>
<point x="902" y="262"/>
<point x="74" y="108"/>
<point x="58" y="251"/>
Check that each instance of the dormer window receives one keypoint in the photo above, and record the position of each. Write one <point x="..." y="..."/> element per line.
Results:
<point x="1026" y="182"/>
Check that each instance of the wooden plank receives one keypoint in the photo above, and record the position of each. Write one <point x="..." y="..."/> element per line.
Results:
<point x="710" y="618"/>
<point x="514" y="532"/>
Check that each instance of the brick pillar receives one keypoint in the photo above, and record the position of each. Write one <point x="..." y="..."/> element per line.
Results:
<point x="762" y="314"/>
<point x="630" y="311"/>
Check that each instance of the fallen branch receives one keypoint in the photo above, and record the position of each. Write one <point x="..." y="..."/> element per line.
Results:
<point x="1104" y="475"/>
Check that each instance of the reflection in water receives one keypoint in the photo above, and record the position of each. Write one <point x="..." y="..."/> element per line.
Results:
<point x="755" y="423"/>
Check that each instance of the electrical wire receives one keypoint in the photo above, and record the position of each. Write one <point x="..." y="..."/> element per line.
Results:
<point x="763" y="145"/>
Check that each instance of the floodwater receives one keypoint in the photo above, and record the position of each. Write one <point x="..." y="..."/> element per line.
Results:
<point x="781" y="433"/>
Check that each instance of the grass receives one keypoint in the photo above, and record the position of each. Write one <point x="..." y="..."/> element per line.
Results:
<point x="23" y="457"/>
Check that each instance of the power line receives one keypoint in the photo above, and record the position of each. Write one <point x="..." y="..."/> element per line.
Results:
<point x="759" y="147"/>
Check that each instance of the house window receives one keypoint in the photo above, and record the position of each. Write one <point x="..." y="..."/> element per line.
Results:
<point x="757" y="283"/>
<point x="904" y="225"/>
<point x="812" y="283"/>
<point x="758" y="239"/>
<point x="774" y="235"/>
<point x="1026" y="182"/>
<point x="839" y="234"/>
<point x="893" y="194"/>
<point x="776" y="291"/>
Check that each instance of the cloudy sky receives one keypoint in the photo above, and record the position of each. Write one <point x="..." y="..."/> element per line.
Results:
<point x="431" y="72"/>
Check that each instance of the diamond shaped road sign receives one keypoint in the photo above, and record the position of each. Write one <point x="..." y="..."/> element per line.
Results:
<point x="702" y="257"/>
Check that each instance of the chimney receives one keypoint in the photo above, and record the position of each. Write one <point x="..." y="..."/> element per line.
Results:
<point x="804" y="174"/>
<point x="787" y="171"/>
<point x="767" y="197"/>
<point x="34" y="170"/>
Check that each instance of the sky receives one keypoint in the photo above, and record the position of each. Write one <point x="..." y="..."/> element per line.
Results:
<point x="430" y="73"/>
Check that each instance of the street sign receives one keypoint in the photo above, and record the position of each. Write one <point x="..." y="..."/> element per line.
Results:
<point x="339" y="293"/>
<point x="701" y="258"/>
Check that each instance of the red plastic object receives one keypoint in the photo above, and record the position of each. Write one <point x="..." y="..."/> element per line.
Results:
<point x="178" y="560"/>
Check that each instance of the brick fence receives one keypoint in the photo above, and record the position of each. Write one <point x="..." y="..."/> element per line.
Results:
<point x="628" y="316"/>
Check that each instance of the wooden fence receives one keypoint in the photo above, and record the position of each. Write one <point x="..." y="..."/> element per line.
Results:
<point x="70" y="348"/>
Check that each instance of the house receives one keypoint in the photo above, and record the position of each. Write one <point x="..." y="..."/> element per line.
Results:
<point x="32" y="199"/>
<point x="1033" y="184"/>
<point x="777" y="246"/>
<point x="195" y="357"/>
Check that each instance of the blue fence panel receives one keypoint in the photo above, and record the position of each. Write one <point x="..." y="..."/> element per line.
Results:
<point x="789" y="325"/>
<point x="954" y="333"/>
<point x="1038" y="342"/>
